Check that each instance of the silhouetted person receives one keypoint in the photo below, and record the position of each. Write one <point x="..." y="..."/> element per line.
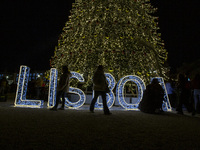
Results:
<point x="38" y="87"/>
<point x="3" y="86"/>
<point x="170" y="92"/>
<point x="13" y="87"/>
<point x="31" y="89"/>
<point x="63" y="88"/>
<point x="196" y="94"/>
<point x="99" y="87"/>
<point x="183" y="92"/>
<point x="152" y="98"/>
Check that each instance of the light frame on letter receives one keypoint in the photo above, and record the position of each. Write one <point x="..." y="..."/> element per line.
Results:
<point x="82" y="97"/>
<point x="20" y="98"/>
<point x="52" y="87"/>
<point x="110" y="97"/>
<point x="166" y="106"/>
<point x="120" y="91"/>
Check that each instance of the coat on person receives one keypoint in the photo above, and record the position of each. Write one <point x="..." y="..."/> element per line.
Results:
<point x="99" y="81"/>
<point x="63" y="84"/>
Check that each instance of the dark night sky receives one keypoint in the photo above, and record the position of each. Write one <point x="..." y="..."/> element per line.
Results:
<point x="29" y="31"/>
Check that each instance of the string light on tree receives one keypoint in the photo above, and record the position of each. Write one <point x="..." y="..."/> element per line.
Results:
<point x="121" y="34"/>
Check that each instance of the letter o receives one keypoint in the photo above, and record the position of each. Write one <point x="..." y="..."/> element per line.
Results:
<point x="120" y="91"/>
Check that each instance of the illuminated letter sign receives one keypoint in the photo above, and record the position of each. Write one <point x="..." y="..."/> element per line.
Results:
<point x="52" y="87"/>
<point x="166" y="104"/>
<point x="110" y="97"/>
<point x="120" y="91"/>
<point x="82" y="97"/>
<point x="68" y="103"/>
<point x="20" y="99"/>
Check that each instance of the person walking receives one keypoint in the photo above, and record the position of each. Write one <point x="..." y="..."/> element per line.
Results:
<point x="63" y="88"/>
<point x="99" y="86"/>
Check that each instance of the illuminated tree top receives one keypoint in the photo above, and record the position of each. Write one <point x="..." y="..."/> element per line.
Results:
<point x="119" y="34"/>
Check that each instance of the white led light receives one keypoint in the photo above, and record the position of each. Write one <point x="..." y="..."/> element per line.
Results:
<point x="120" y="91"/>
<point x="166" y="106"/>
<point x="68" y="103"/>
<point x="20" y="98"/>
<point x="110" y="97"/>
<point x="82" y="97"/>
<point x="52" y="87"/>
<point x="21" y="101"/>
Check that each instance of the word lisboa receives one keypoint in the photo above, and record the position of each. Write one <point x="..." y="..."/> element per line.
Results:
<point x="21" y="101"/>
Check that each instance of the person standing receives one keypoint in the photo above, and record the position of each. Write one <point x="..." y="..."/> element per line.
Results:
<point x="63" y="88"/>
<point x="99" y="86"/>
<point x="196" y="94"/>
<point x="170" y="93"/>
<point x="3" y="86"/>
<point x="183" y="94"/>
<point x="38" y="87"/>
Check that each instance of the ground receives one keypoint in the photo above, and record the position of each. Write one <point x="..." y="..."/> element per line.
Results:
<point x="27" y="128"/>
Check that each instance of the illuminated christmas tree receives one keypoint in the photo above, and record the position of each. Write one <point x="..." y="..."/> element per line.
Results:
<point x="121" y="35"/>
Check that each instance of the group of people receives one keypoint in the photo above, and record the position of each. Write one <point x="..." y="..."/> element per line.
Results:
<point x="188" y="93"/>
<point x="36" y="89"/>
<point x="100" y="86"/>
<point x="152" y="98"/>
<point x="184" y="93"/>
